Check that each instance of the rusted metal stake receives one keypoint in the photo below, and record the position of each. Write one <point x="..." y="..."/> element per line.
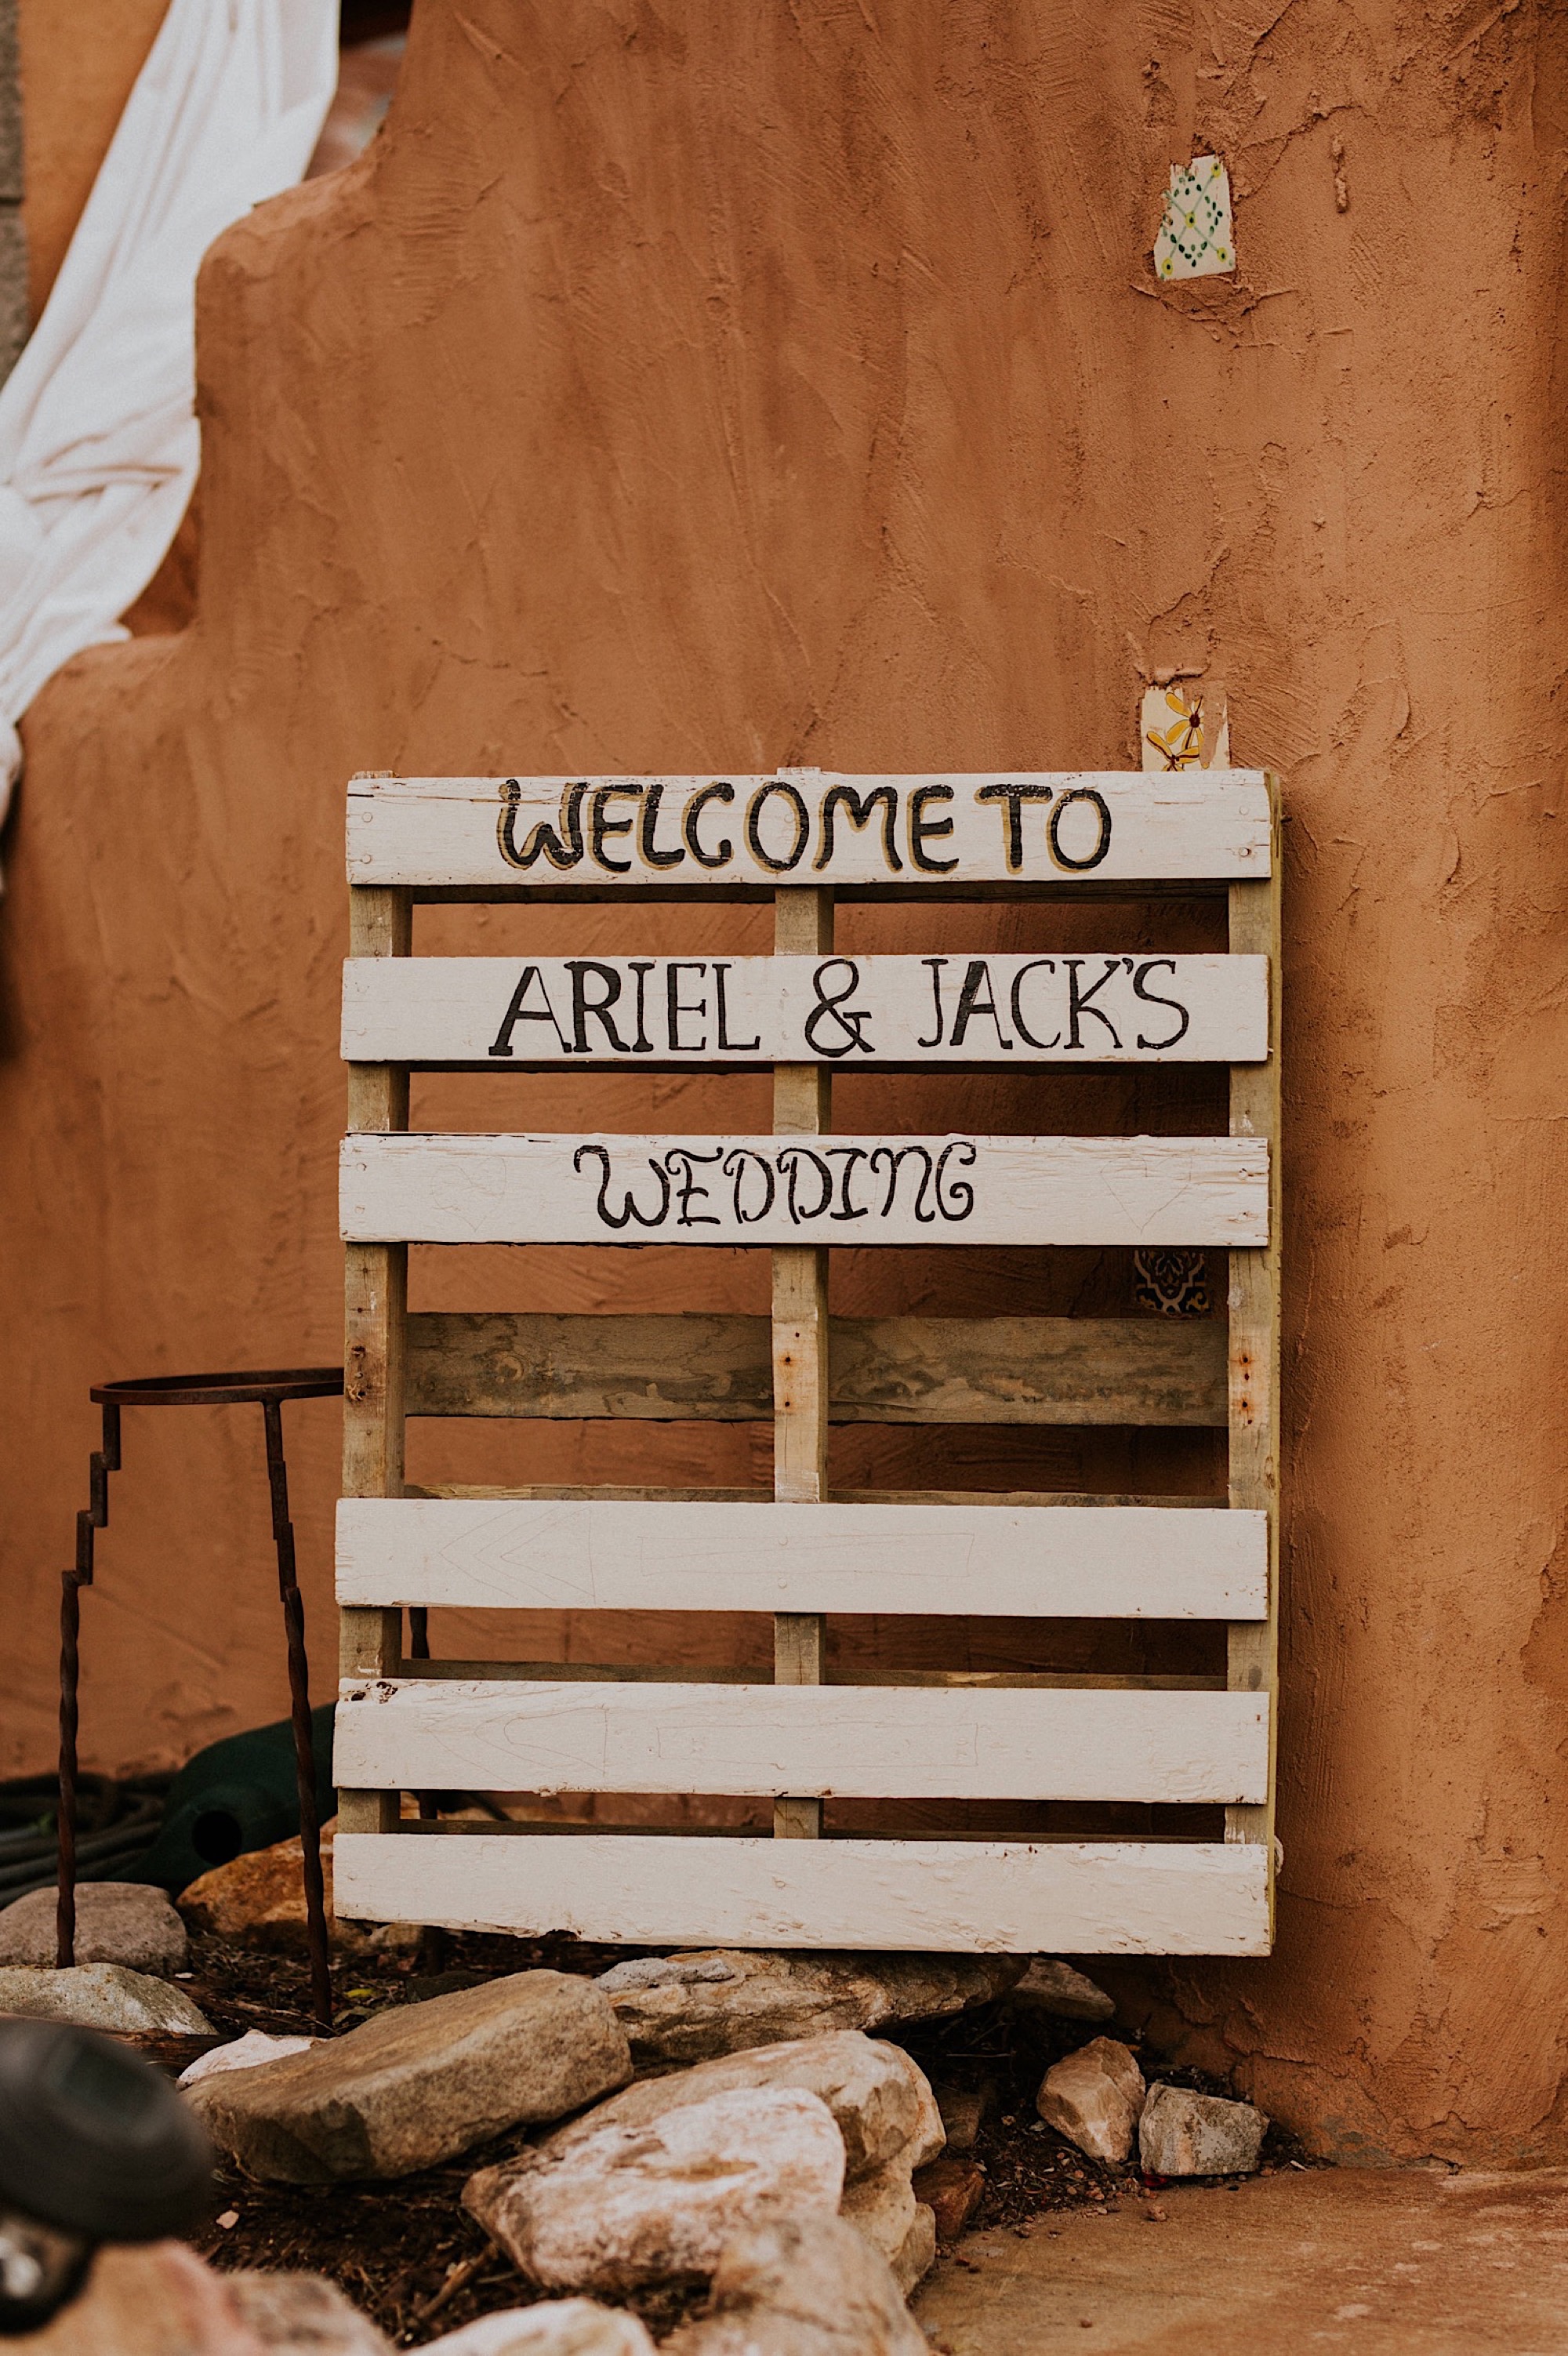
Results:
<point x="299" y="1706"/>
<point x="95" y="1517"/>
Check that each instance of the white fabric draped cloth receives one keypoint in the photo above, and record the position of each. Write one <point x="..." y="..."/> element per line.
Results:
<point x="99" y="443"/>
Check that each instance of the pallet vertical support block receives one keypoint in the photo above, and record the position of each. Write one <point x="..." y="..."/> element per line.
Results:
<point x="811" y="843"/>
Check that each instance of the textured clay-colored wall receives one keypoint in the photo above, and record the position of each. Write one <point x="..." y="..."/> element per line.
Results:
<point x="80" y="58"/>
<point x="682" y="387"/>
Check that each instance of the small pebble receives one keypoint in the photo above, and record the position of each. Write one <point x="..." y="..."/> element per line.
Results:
<point x="1155" y="2215"/>
<point x="230" y="2217"/>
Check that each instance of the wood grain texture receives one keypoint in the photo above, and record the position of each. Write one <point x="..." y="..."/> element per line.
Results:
<point x="693" y="1369"/>
<point x="878" y="1190"/>
<point x="617" y="833"/>
<point x="1113" y="1897"/>
<point x="503" y="1014"/>
<point x="1126" y="1562"/>
<point x="1254" y="1344"/>
<point x="807" y="1739"/>
<point x="375" y="1304"/>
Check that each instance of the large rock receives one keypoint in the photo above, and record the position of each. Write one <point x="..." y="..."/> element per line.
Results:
<point x="880" y="2104"/>
<point x="103" y="1995"/>
<point x="1057" y="1989"/>
<point x="808" y="2286"/>
<point x="295" y="2313"/>
<point x="161" y="2300"/>
<point x="617" y="2205"/>
<point x="420" y="2083"/>
<point x="1094" y="2098"/>
<point x="722" y="2001"/>
<point x="128" y="1922"/>
<point x="258" y="1901"/>
<point x="1198" y="2135"/>
<point x="556" y="2327"/>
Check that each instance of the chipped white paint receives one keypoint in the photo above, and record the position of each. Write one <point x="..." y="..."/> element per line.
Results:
<point x="1117" y="1898"/>
<point x="861" y="1741"/>
<point x="860" y="1014"/>
<point x="615" y="1555"/>
<point x="809" y="826"/>
<point x="890" y="1189"/>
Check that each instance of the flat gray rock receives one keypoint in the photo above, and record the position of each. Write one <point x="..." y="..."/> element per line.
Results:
<point x="619" y="2206"/>
<point x="690" y="2007"/>
<point x="421" y="2083"/>
<point x="101" y="1996"/>
<point x="128" y="1922"/>
<point x="1198" y="2135"/>
<point x="807" y="2287"/>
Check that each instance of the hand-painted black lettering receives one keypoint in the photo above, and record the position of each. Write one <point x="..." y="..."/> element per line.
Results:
<point x="688" y="1187"/>
<point x="628" y="1208"/>
<point x="936" y="965"/>
<point x="789" y="1161"/>
<point x="725" y="851"/>
<point x="1153" y="998"/>
<point x="642" y="967"/>
<point x="753" y="824"/>
<point x="959" y="1201"/>
<point x="583" y="1006"/>
<point x="674" y="1006"/>
<point x="924" y="829"/>
<point x="736" y="1162"/>
<point x="850" y="1154"/>
<point x="1053" y="831"/>
<point x="651" y="855"/>
<point x="542" y="840"/>
<point x="516" y="1013"/>
<point x="1078" y="1001"/>
<point x="858" y="808"/>
<point x="728" y="1046"/>
<point x="1022" y="1028"/>
<point x="894" y="1162"/>
<point x="851" y="1020"/>
<point x="1015" y="796"/>
<point x="971" y="1003"/>
<point x="599" y="825"/>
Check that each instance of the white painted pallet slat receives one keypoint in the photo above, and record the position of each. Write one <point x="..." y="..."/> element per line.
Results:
<point x="1118" y="1898"/>
<point x="599" y="1012"/>
<point x="848" y="1742"/>
<point x="770" y="1190"/>
<point x="810" y="827"/>
<point x="588" y="1554"/>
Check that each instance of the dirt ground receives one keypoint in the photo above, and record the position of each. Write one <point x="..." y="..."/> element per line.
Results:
<point x="409" y="2255"/>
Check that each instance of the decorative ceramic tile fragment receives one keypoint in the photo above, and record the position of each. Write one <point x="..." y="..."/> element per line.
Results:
<point x="1195" y="239"/>
<point x="1184" y="726"/>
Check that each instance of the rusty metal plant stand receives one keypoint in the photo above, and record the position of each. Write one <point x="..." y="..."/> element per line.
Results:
<point x="268" y="1389"/>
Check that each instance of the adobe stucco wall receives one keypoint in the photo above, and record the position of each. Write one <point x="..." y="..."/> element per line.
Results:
<point x="682" y="387"/>
<point x="79" y="61"/>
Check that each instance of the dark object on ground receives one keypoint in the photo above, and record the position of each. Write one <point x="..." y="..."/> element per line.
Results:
<point x="235" y="1796"/>
<point x="116" y="1825"/>
<point x="268" y="1391"/>
<point x="95" y="2145"/>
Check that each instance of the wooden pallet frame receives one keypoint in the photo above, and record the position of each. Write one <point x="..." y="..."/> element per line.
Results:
<point x="1082" y="1897"/>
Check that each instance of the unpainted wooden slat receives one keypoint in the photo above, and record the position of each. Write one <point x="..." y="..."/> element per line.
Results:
<point x="1254" y="1344"/>
<point x="375" y="1322"/>
<point x="697" y="1368"/>
<point x="1197" y="1898"/>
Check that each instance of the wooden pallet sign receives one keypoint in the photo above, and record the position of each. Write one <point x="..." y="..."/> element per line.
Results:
<point x="806" y="838"/>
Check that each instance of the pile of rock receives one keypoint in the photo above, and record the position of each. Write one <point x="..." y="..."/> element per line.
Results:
<point x="1098" y="2100"/>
